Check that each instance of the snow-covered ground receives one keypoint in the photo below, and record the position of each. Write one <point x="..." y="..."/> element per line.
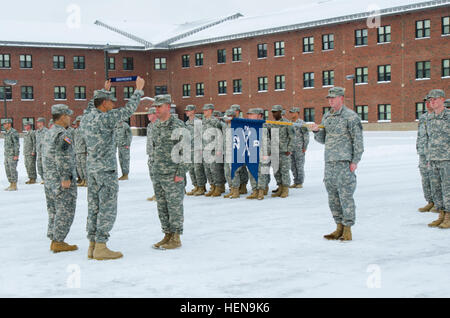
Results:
<point x="240" y="248"/>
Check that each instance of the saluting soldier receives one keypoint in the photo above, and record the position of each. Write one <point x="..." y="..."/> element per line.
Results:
<point x="29" y="152"/>
<point x="11" y="154"/>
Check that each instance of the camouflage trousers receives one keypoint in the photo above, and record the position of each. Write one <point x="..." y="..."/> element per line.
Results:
<point x="124" y="160"/>
<point x="61" y="205"/>
<point x="81" y="165"/>
<point x="215" y="173"/>
<point x="340" y="183"/>
<point x="103" y="188"/>
<point x="39" y="165"/>
<point x="169" y="198"/>
<point x="440" y="184"/>
<point x="11" y="169"/>
<point x="282" y="176"/>
<point x="263" y="179"/>
<point x="425" y="173"/>
<point x="236" y="181"/>
<point x="298" y="166"/>
<point x="200" y="175"/>
<point x="244" y="176"/>
<point x="30" y="165"/>
<point x="149" y="164"/>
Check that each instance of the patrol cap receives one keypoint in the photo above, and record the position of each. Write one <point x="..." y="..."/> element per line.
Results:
<point x="295" y="110"/>
<point x="8" y="121"/>
<point x="162" y="100"/>
<point x="208" y="106"/>
<point x="236" y="107"/>
<point x="277" y="108"/>
<point x="229" y="114"/>
<point x="217" y="113"/>
<point x="27" y="123"/>
<point x="259" y="111"/>
<point x="426" y="98"/>
<point x="189" y="108"/>
<point x="61" y="109"/>
<point x="335" y="92"/>
<point x="199" y="116"/>
<point x="41" y="120"/>
<point x="447" y="103"/>
<point x="436" y="93"/>
<point x="151" y="111"/>
<point x="253" y="111"/>
<point x="104" y="94"/>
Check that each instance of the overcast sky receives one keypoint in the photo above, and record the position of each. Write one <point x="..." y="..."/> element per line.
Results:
<point x="175" y="11"/>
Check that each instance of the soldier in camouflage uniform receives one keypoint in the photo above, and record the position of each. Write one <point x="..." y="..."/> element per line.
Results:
<point x="301" y="142"/>
<point x="152" y="118"/>
<point x="190" y="113"/>
<point x="11" y="154"/>
<point x="447" y="103"/>
<point x="60" y="179"/>
<point x="243" y="173"/>
<point x="438" y="155"/>
<point x="286" y="146"/>
<point x="98" y="125"/>
<point x="29" y="152"/>
<point x="421" y="146"/>
<point x="123" y="143"/>
<point x="168" y="174"/>
<point x="40" y="134"/>
<point x="343" y="138"/>
<point x="233" y="183"/>
<point x="81" y="153"/>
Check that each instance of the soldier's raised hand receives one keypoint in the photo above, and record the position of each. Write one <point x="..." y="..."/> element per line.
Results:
<point x="140" y="83"/>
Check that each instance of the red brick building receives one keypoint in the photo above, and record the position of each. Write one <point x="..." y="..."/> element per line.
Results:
<point x="290" y="58"/>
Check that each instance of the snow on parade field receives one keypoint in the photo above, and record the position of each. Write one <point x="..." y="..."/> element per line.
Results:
<point x="240" y="248"/>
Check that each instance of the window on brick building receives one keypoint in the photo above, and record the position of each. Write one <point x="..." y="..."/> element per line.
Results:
<point x="384" y="73"/>
<point x="199" y="59"/>
<point x="280" y="82"/>
<point x="5" y="61"/>
<point x="327" y="42"/>
<point x="26" y="92"/>
<point x="363" y="112"/>
<point x="362" y="75"/>
<point x="59" y="62"/>
<point x="160" y="63"/>
<point x="420" y="109"/>
<point x="237" y="54"/>
<point x="423" y="70"/>
<point x="79" y="63"/>
<point x="200" y="89"/>
<point x="60" y="92"/>
<point x="279" y="48"/>
<point x="446" y="68"/>
<point x="112" y="63"/>
<point x="262" y="51"/>
<point x="128" y="63"/>
<point x="185" y="61"/>
<point x="308" y="44"/>
<point x="160" y="90"/>
<point x="113" y="90"/>
<point x="361" y="37"/>
<point x="325" y="110"/>
<point x="237" y="86"/>
<point x="128" y="92"/>
<point x="327" y="78"/>
<point x="222" y="87"/>
<point x="8" y="92"/>
<point x="263" y="84"/>
<point x="186" y="90"/>
<point x="446" y="26"/>
<point x="80" y="92"/>
<point x="308" y="115"/>
<point x="26" y="61"/>
<point x="221" y="56"/>
<point x="423" y="29"/>
<point x="27" y="119"/>
<point x="308" y="80"/>
<point x="384" y="34"/>
<point x="384" y="112"/>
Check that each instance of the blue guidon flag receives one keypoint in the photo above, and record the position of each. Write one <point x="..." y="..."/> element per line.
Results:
<point x="246" y="139"/>
<point x="123" y="79"/>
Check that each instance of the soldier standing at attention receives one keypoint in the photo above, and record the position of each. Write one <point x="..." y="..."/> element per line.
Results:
<point x="421" y="146"/>
<point x="81" y="153"/>
<point x="190" y="113"/>
<point x="12" y="149"/>
<point x="60" y="180"/>
<point x="168" y="175"/>
<point x="243" y="173"/>
<point x="301" y="142"/>
<point x="152" y="118"/>
<point x="123" y="142"/>
<point x="98" y="125"/>
<point x="29" y="152"/>
<point x="438" y="155"/>
<point x="344" y="146"/>
<point x="40" y="134"/>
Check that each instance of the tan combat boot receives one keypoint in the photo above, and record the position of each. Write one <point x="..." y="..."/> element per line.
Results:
<point x="174" y="243"/>
<point x="200" y="191"/>
<point x="278" y="192"/>
<point x="165" y="240"/>
<point x="243" y="189"/>
<point x="218" y="190"/>
<point x="79" y="183"/>
<point x="42" y="182"/>
<point x="434" y="210"/>
<point x="293" y="186"/>
<point x="336" y="234"/>
<point x="51" y="246"/>
<point x="235" y="193"/>
<point x="439" y="220"/>
<point x="102" y="253"/>
<point x="59" y="247"/>
<point x="123" y="178"/>
<point x="13" y="187"/>
<point x="427" y="208"/>
<point x="211" y="191"/>
<point x="446" y="223"/>
<point x="277" y="189"/>
<point x="299" y="186"/>
<point x="193" y="191"/>
<point x="260" y="194"/>
<point x="32" y="181"/>
<point x="347" y="234"/>
<point x="91" y="250"/>
<point x="151" y="199"/>
<point x="227" y="196"/>
<point x="253" y="196"/>
<point x="284" y="192"/>
<point x="28" y="182"/>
